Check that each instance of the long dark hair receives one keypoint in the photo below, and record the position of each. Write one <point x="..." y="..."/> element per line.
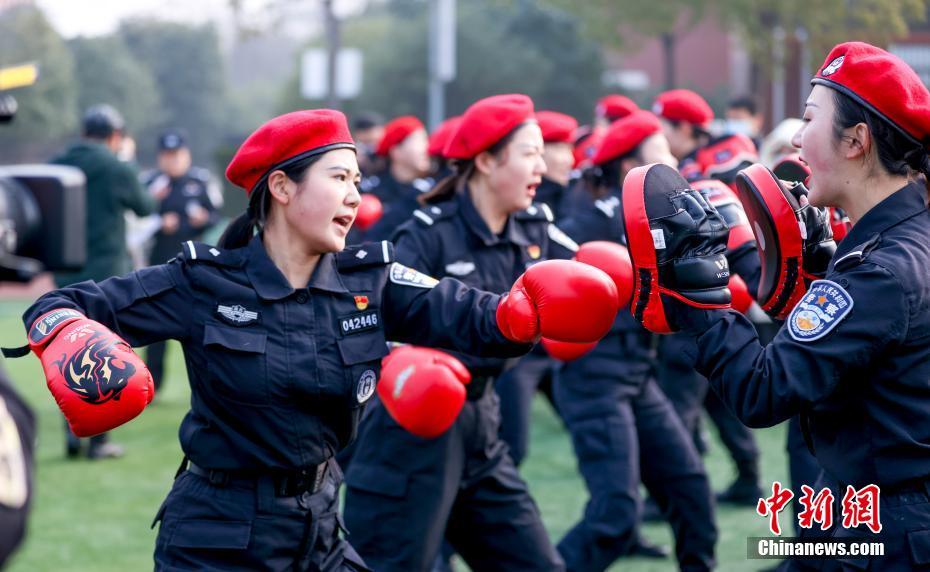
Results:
<point x="240" y="230"/>
<point x="600" y="179"/>
<point x="462" y="170"/>
<point x="898" y="153"/>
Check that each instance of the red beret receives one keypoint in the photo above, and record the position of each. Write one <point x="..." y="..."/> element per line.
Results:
<point x="683" y="105"/>
<point x="439" y="137"/>
<point x="556" y="127"/>
<point x="396" y="131"/>
<point x="883" y="83"/>
<point x="286" y="139"/>
<point x="613" y="107"/>
<point x="626" y="134"/>
<point x="486" y="122"/>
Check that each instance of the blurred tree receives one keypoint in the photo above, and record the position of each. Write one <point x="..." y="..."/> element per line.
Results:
<point x="497" y="44"/>
<point x="47" y="109"/>
<point x="107" y="73"/>
<point x="622" y="24"/>
<point x="828" y="22"/>
<point x="188" y="71"/>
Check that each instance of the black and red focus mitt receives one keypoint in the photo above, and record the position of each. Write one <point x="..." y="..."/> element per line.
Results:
<point x="791" y="168"/>
<point x="677" y="243"/>
<point x="794" y="238"/>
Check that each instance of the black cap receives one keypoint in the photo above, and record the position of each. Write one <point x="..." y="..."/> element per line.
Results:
<point x="172" y="139"/>
<point x="102" y="120"/>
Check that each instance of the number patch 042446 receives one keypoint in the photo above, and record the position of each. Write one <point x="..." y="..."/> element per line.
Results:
<point x="360" y="322"/>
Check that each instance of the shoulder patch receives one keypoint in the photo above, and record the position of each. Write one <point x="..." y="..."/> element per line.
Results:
<point x="557" y="236"/>
<point x="608" y="207"/>
<point x="428" y="215"/>
<point x="197" y="252"/>
<point x="406" y="276"/>
<point x="365" y="254"/>
<point x="423" y="185"/>
<point x="536" y="211"/>
<point x="369" y="183"/>
<point x="824" y="306"/>
<point x="200" y="174"/>
<point x="857" y="254"/>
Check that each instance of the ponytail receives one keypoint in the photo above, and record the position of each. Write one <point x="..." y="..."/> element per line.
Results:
<point x="600" y="179"/>
<point x="446" y="188"/>
<point x="919" y="161"/>
<point x="241" y="229"/>
<point x="463" y="169"/>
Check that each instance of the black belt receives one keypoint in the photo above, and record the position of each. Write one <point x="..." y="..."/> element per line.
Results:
<point x="477" y="387"/>
<point x="286" y="484"/>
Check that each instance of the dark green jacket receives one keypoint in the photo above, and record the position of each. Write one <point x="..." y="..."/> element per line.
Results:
<point x="112" y="188"/>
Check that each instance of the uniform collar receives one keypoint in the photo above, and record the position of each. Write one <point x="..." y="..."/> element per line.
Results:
<point x="512" y="231"/>
<point x="901" y="205"/>
<point x="271" y="284"/>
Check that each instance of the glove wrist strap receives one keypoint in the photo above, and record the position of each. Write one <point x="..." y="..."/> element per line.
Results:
<point x="48" y="325"/>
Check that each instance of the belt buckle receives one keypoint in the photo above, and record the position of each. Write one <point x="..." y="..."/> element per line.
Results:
<point x="218" y="478"/>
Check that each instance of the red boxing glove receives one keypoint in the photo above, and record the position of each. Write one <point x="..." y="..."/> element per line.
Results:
<point x="423" y="389"/>
<point x="566" y="351"/>
<point x="369" y="211"/>
<point x="97" y="380"/>
<point x="741" y="299"/>
<point x="564" y="300"/>
<point x="614" y="259"/>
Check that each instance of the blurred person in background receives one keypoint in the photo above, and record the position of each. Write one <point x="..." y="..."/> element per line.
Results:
<point x="440" y="168"/>
<point x="744" y="116"/>
<point x="367" y="130"/>
<point x="189" y="201"/>
<point x="403" y="147"/>
<point x="777" y="144"/>
<point x="112" y="188"/>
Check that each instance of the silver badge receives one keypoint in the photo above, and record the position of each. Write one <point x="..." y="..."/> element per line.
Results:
<point x="237" y="314"/>
<point x="833" y="66"/>
<point x="460" y="268"/>
<point x="366" y="385"/>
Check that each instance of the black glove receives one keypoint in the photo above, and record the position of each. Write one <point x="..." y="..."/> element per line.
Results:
<point x="694" y="262"/>
<point x="816" y="232"/>
<point x="677" y="244"/>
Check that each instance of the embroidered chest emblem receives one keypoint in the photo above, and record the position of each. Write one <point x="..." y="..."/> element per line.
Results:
<point x="236" y="314"/>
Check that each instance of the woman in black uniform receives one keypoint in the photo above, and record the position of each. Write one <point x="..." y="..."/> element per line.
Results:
<point x="853" y="358"/>
<point x="404" y="493"/>
<point x="283" y="334"/>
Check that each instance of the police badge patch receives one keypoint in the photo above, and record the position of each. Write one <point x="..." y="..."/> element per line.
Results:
<point x="406" y="276"/>
<point x="236" y="315"/>
<point x="824" y="306"/>
<point x="366" y="385"/>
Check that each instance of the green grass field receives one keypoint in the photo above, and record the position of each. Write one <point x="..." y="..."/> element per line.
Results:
<point x="96" y="515"/>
